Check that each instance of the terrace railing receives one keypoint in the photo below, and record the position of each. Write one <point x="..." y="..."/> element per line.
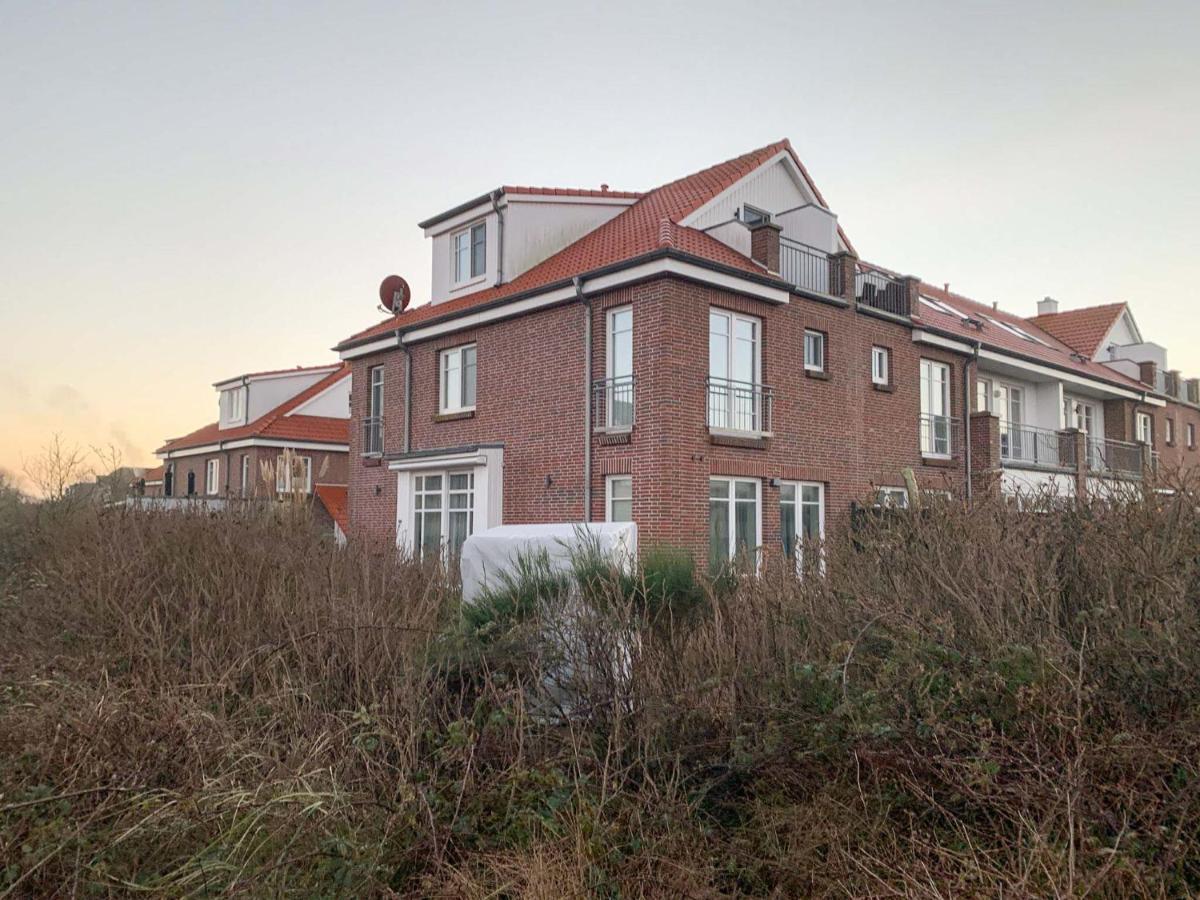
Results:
<point x="809" y="268"/>
<point x="739" y="407"/>
<point x="880" y="291"/>
<point x="1039" y="448"/>
<point x="373" y="436"/>
<point x="940" y="436"/>
<point x="1118" y="459"/>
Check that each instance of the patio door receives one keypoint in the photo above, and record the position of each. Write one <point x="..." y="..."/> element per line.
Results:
<point x="1010" y="407"/>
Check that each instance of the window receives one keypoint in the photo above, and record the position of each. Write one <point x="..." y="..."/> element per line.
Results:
<point x="941" y="307"/>
<point x="734" y="521"/>
<point x="1170" y="431"/>
<point x="469" y="249"/>
<point x="801" y="515"/>
<point x="1191" y="434"/>
<point x="618" y="400"/>
<point x="753" y="216"/>
<point x="373" y="423"/>
<point x="245" y="474"/>
<point x="618" y="498"/>
<point x="879" y="365"/>
<point x="935" y="408"/>
<point x="298" y="474"/>
<point x="735" y="398"/>
<point x="458" y="379"/>
<point x="236" y="403"/>
<point x="983" y="395"/>
<point x="212" y="473"/>
<point x="1015" y="442"/>
<point x="892" y="498"/>
<point x="443" y="512"/>
<point x="1145" y="429"/>
<point x="1077" y="414"/>
<point x="814" y="351"/>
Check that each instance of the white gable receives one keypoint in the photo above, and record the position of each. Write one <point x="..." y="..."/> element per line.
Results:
<point x="1123" y="332"/>
<point x="333" y="402"/>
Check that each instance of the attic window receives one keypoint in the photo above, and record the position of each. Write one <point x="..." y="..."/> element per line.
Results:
<point x="941" y="307"/>
<point x="469" y="253"/>
<point x="753" y="216"/>
<point x="1016" y="330"/>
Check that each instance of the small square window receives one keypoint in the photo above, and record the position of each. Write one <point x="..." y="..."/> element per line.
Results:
<point x="619" y="498"/>
<point x="880" y="370"/>
<point x="892" y="498"/>
<point x="753" y="216"/>
<point x="814" y="351"/>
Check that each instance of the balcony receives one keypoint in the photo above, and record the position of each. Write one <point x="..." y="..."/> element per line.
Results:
<point x="808" y="268"/>
<point x="739" y="408"/>
<point x="373" y="436"/>
<point x="877" y="290"/>
<point x="1119" y="459"/>
<point x="1029" y="447"/>
<point x="612" y="405"/>
<point x="940" y="436"/>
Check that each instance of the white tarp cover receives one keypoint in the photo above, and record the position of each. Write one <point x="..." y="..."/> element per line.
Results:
<point x="488" y="554"/>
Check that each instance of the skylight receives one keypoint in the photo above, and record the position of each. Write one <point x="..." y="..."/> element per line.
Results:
<point x="941" y="307"/>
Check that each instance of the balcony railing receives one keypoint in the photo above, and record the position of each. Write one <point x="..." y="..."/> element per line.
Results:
<point x="808" y="268"/>
<point x="1118" y="459"/>
<point x="941" y="437"/>
<point x="372" y="436"/>
<point x="739" y="407"/>
<point x="612" y="404"/>
<point x="1039" y="448"/>
<point x="879" y="291"/>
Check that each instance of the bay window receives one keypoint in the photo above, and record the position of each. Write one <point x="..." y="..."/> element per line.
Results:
<point x="443" y="512"/>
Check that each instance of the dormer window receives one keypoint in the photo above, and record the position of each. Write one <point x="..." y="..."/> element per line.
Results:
<point x="751" y="215"/>
<point x="469" y="253"/>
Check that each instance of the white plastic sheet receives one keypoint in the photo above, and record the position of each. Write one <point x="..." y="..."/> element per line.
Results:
<point x="489" y="554"/>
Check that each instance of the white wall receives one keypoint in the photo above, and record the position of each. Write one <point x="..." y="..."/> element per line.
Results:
<point x="1143" y="352"/>
<point x="333" y="402"/>
<point x="812" y="225"/>
<point x="267" y="393"/>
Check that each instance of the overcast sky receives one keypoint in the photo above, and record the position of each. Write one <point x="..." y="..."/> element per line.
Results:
<point x="192" y="191"/>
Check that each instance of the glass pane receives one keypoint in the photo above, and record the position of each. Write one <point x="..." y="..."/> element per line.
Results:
<point x="459" y="530"/>
<point x="718" y="346"/>
<point x="718" y="533"/>
<point x="787" y="527"/>
<point x="478" y="250"/>
<point x="745" y="490"/>
<point x="787" y="493"/>
<point x="622" y="510"/>
<point x="433" y="482"/>
<point x="460" y="481"/>
<point x="431" y="533"/>
<point x="718" y="490"/>
<point x="746" y="522"/>
<point x="810" y="520"/>
<point x="622" y="488"/>
<point x="468" y="380"/>
<point x="451" y="380"/>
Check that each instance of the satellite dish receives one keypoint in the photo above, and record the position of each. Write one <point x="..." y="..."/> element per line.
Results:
<point x="394" y="293"/>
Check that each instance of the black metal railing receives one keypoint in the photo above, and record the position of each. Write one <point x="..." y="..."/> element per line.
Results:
<point x="1118" y="459"/>
<point x="1039" y="448"/>
<point x="809" y="268"/>
<point x="940" y="436"/>
<point x="372" y="436"/>
<point x="612" y="404"/>
<point x="739" y="406"/>
<point x="879" y="291"/>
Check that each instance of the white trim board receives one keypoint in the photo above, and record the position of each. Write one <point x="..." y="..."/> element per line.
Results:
<point x="253" y="442"/>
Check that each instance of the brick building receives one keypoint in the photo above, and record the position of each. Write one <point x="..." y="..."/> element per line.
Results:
<point x="712" y="360"/>
<point x="262" y="415"/>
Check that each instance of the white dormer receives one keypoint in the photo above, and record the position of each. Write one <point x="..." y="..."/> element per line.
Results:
<point x="494" y="238"/>
<point x="232" y="405"/>
<point x="248" y="397"/>
<point x="779" y="191"/>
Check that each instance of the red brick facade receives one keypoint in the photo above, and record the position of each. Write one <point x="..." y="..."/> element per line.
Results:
<point x="328" y="467"/>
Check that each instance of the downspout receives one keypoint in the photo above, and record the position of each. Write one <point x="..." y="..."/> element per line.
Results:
<point x="407" y="391"/>
<point x="587" y="398"/>
<point x="972" y="361"/>
<point x="496" y="194"/>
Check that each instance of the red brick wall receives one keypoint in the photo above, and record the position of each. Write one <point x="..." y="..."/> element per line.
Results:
<point x="260" y="484"/>
<point x="1179" y="454"/>
<point x="530" y="398"/>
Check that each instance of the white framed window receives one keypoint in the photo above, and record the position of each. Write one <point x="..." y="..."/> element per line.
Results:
<point x="1145" y="429"/>
<point x="983" y="395"/>
<point x="892" y="498"/>
<point x="734" y="520"/>
<point x="373" y="423"/>
<point x="1079" y="414"/>
<point x="298" y="474"/>
<point x="237" y="403"/>
<point x="801" y="516"/>
<point x="814" y="350"/>
<point x="245" y="474"/>
<point x="458" y="379"/>
<point x="618" y="399"/>
<point x="212" y="476"/>
<point x="1191" y="435"/>
<point x="468" y="249"/>
<point x="752" y="215"/>
<point x="880" y="368"/>
<point x="735" y="397"/>
<point x="1169" y="425"/>
<point x="443" y="512"/>
<point x="935" y="409"/>
<point x="618" y="498"/>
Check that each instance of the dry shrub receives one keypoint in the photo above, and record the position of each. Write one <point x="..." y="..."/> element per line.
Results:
<point x="967" y="701"/>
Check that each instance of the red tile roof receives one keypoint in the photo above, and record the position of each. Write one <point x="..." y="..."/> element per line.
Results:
<point x="155" y="474"/>
<point x="650" y="224"/>
<point x="276" y="423"/>
<point x="1050" y="350"/>
<point x="333" y="498"/>
<point x="1082" y="329"/>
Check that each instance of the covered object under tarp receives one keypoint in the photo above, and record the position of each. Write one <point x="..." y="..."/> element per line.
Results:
<point x="490" y="554"/>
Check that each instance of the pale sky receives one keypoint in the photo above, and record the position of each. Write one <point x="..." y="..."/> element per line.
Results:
<point x="189" y="191"/>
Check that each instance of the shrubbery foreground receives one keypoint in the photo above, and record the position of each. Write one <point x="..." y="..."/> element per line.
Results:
<point x="968" y="702"/>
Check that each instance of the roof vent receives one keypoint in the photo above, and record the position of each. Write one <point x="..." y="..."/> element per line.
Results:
<point x="604" y="188"/>
<point x="1047" y="306"/>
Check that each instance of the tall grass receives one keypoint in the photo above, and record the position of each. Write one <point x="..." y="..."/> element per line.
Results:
<point x="967" y="702"/>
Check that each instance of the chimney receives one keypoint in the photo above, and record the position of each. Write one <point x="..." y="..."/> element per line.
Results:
<point x="1148" y="372"/>
<point x="764" y="245"/>
<point x="1193" y="390"/>
<point x="1172" y="383"/>
<point x="1047" y="306"/>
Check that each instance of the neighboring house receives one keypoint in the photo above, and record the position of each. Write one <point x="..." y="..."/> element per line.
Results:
<point x="709" y="359"/>
<point x="261" y="416"/>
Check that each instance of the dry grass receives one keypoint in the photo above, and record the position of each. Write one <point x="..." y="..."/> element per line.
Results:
<point x="969" y="703"/>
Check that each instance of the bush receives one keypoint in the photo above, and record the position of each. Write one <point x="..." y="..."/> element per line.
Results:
<point x="966" y="702"/>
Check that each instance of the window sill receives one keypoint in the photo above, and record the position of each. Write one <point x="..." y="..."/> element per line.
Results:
<point x="478" y="279"/>
<point x="455" y="416"/>
<point x="937" y="462"/>
<point x="882" y="388"/>
<point x="372" y="460"/>
<point x="818" y="374"/>
<point x="749" y="440"/>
